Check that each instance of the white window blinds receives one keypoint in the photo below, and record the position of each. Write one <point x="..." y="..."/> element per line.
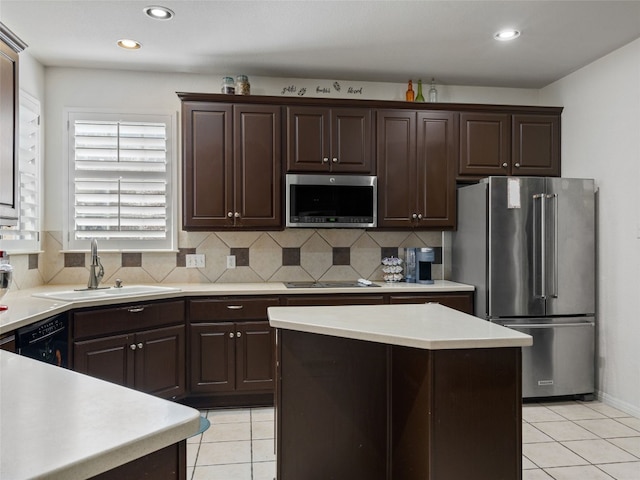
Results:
<point x="25" y="236"/>
<point x="121" y="182"/>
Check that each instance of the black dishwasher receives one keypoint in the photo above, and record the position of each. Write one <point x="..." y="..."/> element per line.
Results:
<point x="46" y="340"/>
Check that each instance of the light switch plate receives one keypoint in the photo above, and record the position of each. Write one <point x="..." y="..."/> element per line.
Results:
<point x="231" y="261"/>
<point x="195" y="260"/>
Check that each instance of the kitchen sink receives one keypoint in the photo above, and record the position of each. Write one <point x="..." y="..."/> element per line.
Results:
<point x="89" y="294"/>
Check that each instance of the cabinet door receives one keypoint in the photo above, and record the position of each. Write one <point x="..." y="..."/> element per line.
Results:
<point x="8" y="135"/>
<point x="255" y="356"/>
<point x="308" y="139"/>
<point x="257" y="159"/>
<point x="109" y="358"/>
<point x="207" y="172"/>
<point x="536" y="145"/>
<point x="160" y="361"/>
<point x="437" y="149"/>
<point x="212" y="357"/>
<point x="485" y="144"/>
<point x="351" y="141"/>
<point x="396" y="159"/>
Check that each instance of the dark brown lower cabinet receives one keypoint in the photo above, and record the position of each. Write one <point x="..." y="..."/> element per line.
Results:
<point x="131" y="346"/>
<point x="232" y="352"/>
<point x="150" y="361"/>
<point x="352" y="409"/>
<point x="229" y="357"/>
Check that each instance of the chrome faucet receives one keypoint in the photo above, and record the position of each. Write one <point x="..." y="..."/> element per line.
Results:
<point x="95" y="277"/>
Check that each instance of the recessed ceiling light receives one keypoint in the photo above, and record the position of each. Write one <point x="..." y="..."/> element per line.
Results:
<point x="129" y="44"/>
<point x="158" y="13"/>
<point x="505" y="35"/>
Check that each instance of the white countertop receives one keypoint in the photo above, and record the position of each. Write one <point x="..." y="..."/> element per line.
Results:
<point x="428" y="326"/>
<point x="58" y="424"/>
<point x="25" y="309"/>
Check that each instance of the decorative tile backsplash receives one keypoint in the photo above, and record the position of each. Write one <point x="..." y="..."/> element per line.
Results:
<point x="288" y="255"/>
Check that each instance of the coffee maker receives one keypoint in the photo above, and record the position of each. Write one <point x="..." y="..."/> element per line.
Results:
<point x="418" y="263"/>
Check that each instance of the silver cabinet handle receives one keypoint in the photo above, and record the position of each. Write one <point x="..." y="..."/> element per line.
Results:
<point x="132" y="346"/>
<point x="517" y="165"/>
<point x="135" y="309"/>
<point x="230" y="334"/>
<point x="235" y="307"/>
<point x="237" y="214"/>
<point x="230" y="214"/>
<point x="238" y="334"/>
<point x="419" y="216"/>
<point x="334" y="160"/>
<point x="140" y="345"/>
<point x="325" y="160"/>
<point x="505" y="165"/>
<point x="414" y="216"/>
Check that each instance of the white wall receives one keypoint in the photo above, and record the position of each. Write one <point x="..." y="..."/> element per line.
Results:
<point x="601" y="140"/>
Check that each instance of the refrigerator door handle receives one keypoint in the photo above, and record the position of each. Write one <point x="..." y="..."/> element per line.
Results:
<point x="554" y="197"/>
<point x="538" y="263"/>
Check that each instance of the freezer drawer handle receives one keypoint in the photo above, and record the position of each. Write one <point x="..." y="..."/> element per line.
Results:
<point x="547" y="325"/>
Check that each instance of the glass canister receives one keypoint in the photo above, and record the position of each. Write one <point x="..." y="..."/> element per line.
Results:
<point x="6" y="272"/>
<point x="243" y="87"/>
<point x="228" y="86"/>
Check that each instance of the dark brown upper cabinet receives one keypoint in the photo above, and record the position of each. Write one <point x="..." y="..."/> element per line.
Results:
<point x="336" y="140"/>
<point x="10" y="47"/>
<point x="416" y="153"/>
<point x="509" y="144"/>
<point x="231" y="166"/>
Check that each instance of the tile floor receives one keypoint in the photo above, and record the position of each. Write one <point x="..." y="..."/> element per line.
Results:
<point x="566" y="440"/>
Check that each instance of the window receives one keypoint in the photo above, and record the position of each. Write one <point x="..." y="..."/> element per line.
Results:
<point x="25" y="236"/>
<point x="121" y="173"/>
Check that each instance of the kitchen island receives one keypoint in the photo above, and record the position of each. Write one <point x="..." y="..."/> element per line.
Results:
<point x="58" y="424"/>
<point x="396" y="392"/>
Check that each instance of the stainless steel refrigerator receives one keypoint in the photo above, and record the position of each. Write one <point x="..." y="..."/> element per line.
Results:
<point x="528" y="246"/>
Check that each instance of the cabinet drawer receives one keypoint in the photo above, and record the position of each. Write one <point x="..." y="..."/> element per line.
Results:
<point x="127" y="318"/>
<point x="230" y="308"/>
<point x="458" y="301"/>
<point x="331" y="300"/>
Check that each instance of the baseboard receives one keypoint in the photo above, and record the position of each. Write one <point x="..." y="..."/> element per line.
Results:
<point x="619" y="404"/>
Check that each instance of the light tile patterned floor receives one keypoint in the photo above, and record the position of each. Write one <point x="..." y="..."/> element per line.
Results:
<point x="566" y="440"/>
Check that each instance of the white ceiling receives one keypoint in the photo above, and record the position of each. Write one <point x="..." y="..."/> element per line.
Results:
<point x="384" y="41"/>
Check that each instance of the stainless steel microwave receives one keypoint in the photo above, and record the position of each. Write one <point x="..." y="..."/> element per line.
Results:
<point x="341" y="201"/>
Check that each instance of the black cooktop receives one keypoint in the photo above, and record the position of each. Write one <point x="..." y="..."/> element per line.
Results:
<point x="327" y="284"/>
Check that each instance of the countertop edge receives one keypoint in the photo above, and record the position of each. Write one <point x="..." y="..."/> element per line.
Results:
<point x="41" y="308"/>
<point x="87" y="449"/>
<point x="428" y="326"/>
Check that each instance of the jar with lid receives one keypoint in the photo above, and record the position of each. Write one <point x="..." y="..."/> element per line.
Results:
<point x="6" y="271"/>
<point x="243" y="87"/>
<point x="228" y="86"/>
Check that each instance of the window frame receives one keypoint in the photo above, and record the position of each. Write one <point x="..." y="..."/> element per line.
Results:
<point x="170" y="119"/>
<point x="32" y="245"/>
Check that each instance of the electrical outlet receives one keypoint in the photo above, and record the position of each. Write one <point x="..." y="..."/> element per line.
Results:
<point x="231" y="261"/>
<point x="195" y="260"/>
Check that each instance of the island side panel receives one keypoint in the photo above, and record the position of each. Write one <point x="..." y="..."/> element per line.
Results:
<point x="457" y="414"/>
<point x="169" y="463"/>
<point x="332" y="408"/>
